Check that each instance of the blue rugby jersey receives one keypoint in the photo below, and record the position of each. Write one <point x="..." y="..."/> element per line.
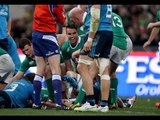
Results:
<point x="20" y="91"/>
<point x="4" y="17"/>
<point x="105" y="18"/>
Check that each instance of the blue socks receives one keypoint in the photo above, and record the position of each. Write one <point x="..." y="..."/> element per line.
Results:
<point x="104" y="103"/>
<point x="57" y="88"/>
<point x="37" y="85"/>
<point x="90" y="99"/>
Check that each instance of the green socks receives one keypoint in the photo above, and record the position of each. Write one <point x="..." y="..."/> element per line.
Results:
<point x="80" y="95"/>
<point x="50" y="89"/>
<point x="113" y="91"/>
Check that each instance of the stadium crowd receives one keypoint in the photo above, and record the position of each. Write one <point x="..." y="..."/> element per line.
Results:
<point x="136" y="19"/>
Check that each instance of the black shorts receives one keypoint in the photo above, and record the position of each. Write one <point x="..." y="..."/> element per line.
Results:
<point x="101" y="46"/>
<point x="4" y="44"/>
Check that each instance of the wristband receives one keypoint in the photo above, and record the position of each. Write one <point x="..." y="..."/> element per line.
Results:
<point x="90" y="39"/>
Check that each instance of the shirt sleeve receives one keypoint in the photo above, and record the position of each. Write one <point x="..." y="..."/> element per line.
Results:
<point x="60" y="13"/>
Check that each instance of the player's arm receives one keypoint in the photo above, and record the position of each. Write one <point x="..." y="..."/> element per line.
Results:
<point x="94" y="24"/>
<point x="9" y="21"/>
<point x="152" y="36"/>
<point x="18" y="76"/>
<point x="95" y="20"/>
<point x="60" y="14"/>
<point x="76" y="54"/>
<point x="23" y="68"/>
<point x="68" y="65"/>
<point x="152" y="25"/>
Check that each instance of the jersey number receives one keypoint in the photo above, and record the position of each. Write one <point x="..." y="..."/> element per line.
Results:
<point x="12" y="87"/>
<point x="109" y="11"/>
<point x="117" y="22"/>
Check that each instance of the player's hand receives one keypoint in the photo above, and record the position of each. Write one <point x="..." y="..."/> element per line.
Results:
<point x="87" y="46"/>
<point x="8" y="33"/>
<point x="75" y="55"/>
<point x="150" y="26"/>
<point x="146" y="44"/>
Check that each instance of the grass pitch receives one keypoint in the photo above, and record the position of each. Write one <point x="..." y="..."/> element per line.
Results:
<point x="143" y="107"/>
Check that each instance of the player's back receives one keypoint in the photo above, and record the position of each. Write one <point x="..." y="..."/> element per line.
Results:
<point x="105" y="18"/>
<point x="20" y="91"/>
<point x="117" y="26"/>
<point x="120" y="35"/>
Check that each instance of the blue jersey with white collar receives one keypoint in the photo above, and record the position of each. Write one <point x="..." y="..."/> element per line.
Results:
<point x="4" y="17"/>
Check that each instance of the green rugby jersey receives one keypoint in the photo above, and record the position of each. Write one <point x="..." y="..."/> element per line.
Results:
<point x="67" y="49"/>
<point x="2" y="51"/>
<point x="26" y="64"/>
<point x="119" y="38"/>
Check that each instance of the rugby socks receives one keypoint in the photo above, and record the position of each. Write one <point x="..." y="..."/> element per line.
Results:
<point x="90" y="99"/>
<point x="57" y="88"/>
<point x="50" y="89"/>
<point x="80" y="95"/>
<point x="113" y="91"/>
<point x="104" y="103"/>
<point x="37" y="85"/>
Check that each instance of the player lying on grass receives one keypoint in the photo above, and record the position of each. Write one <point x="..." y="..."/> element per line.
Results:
<point x="74" y="81"/>
<point x="18" y="94"/>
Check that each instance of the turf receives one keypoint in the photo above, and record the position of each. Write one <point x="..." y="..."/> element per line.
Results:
<point x="143" y="107"/>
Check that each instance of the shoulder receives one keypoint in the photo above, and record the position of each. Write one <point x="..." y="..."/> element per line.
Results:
<point x="65" y="45"/>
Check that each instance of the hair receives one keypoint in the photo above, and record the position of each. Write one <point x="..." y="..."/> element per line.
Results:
<point x="23" y="42"/>
<point x="71" y="26"/>
<point x="29" y="77"/>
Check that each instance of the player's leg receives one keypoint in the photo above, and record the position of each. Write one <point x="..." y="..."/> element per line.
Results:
<point x="48" y="80"/>
<point x="39" y="47"/>
<point x="129" y="102"/>
<point x="114" y="84"/>
<point x="37" y="83"/>
<point x="54" y="62"/>
<point x="83" y="69"/>
<point x="104" y="47"/>
<point x="105" y="84"/>
<point x="12" y="50"/>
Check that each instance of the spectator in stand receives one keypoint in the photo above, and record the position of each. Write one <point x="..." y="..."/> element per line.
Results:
<point x="154" y="27"/>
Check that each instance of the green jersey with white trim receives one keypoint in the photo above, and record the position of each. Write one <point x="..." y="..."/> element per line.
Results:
<point x="67" y="49"/>
<point x="27" y="63"/>
<point x="119" y="38"/>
